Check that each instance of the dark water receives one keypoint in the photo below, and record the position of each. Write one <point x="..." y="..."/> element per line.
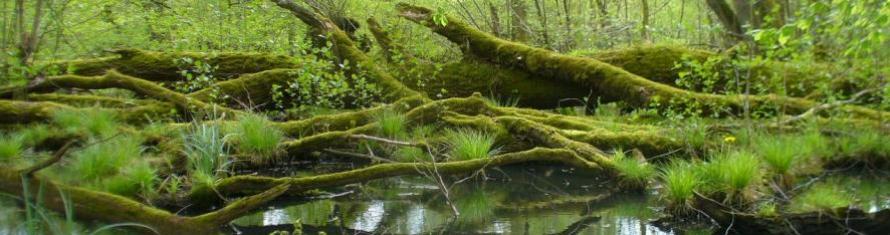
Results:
<point x="514" y="200"/>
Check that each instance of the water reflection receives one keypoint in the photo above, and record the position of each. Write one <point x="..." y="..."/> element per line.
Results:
<point x="516" y="200"/>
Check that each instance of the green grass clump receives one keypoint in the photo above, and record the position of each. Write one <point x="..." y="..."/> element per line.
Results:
<point x="865" y="144"/>
<point x="105" y="158"/>
<point x="206" y="151"/>
<point x="11" y="146"/>
<point x="733" y="172"/>
<point x="634" y="173"/>
<point x="469" y="144"/>
<point x="409" y="154"/>
<point x="256" y="135"/>
<point x="680" y="182"/>
<point x="93" y="121"/>
<point x="821" y="197"/>
<point x="783" y="153"/>
<point x="392" y="124"/>
<point x="35" y="134"/>
<point x="135" y="179"/>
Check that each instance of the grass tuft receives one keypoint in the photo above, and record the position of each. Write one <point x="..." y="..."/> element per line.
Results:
<point x="409" y="154"/>
<point x="392" y="124"/>
<point x="680" y="183"/>
<point x="105" y="158"/>
<point x="256" y="135"/>
<point x="206" y="151"/>
<point x="634" y="173"/>
<point x="469" y="144"/>
<point x="94" y="121"/>
<point x="734" y="172"/>
<point x="11" y="146"/>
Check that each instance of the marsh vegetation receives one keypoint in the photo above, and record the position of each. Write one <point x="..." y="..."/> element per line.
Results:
<point x="469" y="117"/>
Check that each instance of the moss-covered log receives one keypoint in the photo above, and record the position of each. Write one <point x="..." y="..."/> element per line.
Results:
<point x="92" y="205"/>
<point x="609" y="82"/>
<point x="114" y="79"/>
<point x="163" y="66"/>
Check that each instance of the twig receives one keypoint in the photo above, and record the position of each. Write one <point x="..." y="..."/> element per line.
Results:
<point x="57" y="156"/>
<point x="819" y="108"/>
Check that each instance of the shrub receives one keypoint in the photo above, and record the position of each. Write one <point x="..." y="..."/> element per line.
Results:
<point x="634" y="173"/>
<point x="468" y="144"/>
<point x="256" y="135"/>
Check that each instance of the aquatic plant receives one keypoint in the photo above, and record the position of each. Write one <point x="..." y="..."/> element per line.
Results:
<point x="34" y="134"/>
<point x="256" y="135"/>
<point x="137" y="178"/>
<point x="634" y="173"/>
<point x="469" y="144"/>
<point x="392" y="124"/>
<point x="864" y="144"/>
<point x="680" y="182"/>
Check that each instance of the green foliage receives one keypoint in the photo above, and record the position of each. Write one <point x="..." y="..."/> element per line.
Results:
<point x="392" y="124"/>
<point x="469" y="144"/>
<point x="680" y="182"/>
<point x="133" y="179"/>
<point x="197" y="73"/>
<point x="256" y="135"/>
<point x="96" y="121"/>
<point x="35" y="134"/>
<point x="321" y="83"/>
<point x="633" y="173"/>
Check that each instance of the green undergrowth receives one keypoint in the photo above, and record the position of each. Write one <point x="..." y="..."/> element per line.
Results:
<point x="208" y="155"/>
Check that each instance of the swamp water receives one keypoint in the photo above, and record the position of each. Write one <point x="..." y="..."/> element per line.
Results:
<point x="512" y="200"/>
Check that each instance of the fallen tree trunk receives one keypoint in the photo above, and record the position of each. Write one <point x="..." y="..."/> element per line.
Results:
<point x="609" y="82"/>
<point x="93" y="205"/>
<point x="162" y="66"/>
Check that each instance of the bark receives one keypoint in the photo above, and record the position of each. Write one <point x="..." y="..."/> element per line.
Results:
<point x="608" y="82"/>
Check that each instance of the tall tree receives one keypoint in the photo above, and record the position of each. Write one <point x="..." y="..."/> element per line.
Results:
<point x="519" y="20"/>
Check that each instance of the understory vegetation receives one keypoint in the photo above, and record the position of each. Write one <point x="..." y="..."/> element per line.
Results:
<point x="179" y="117"/>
